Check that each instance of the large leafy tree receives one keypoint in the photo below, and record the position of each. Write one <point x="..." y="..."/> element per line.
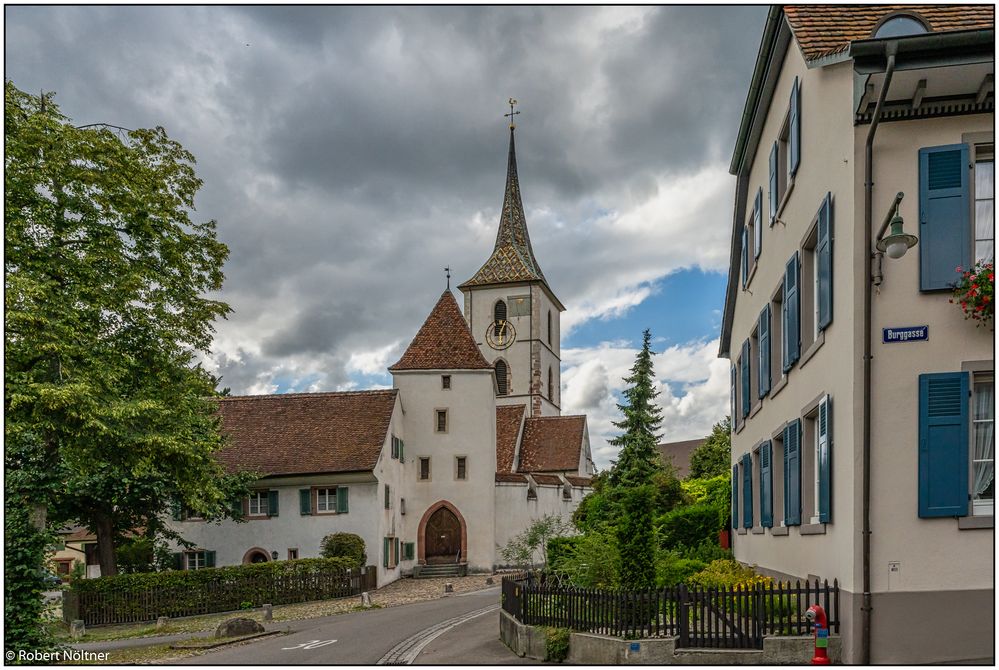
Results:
<point x="109" y="418"/>
<point x="714" y="457"/>
<point x="639" y="460"/>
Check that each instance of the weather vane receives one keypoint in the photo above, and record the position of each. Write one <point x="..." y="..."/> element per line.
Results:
<point x="512" y="102"/>
<point x="447" y="271"/>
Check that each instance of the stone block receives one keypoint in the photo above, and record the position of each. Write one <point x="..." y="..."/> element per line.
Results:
<point x="268" y="612"/>
<point x="77" y="629"/>
<point x="161" y="622"/>
<point x="238" y="626"/>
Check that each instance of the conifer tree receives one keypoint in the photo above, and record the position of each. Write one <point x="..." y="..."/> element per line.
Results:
<point x="639" y="460"/>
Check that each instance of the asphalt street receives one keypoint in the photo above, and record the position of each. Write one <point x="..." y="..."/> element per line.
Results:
<point x="367" y="637"/>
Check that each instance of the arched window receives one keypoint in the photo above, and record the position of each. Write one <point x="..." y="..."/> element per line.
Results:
<point x="551" y="385"/>
<point x="499" y="317"/>
<point x="900" y="25"/>
<point x="549" y="327"/>
<point x="501" y="377"/>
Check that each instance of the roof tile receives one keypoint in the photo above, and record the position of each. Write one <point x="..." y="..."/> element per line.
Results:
<point x="443" y="342"/>
<point x="551" y="443"/>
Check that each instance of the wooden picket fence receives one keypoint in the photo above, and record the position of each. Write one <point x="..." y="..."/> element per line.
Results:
<point x="225" y="593"/>
<point x="737" y="618"/>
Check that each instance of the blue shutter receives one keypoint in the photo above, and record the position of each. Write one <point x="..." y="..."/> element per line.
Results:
<point x="773" y="184"/>
<point x="792" y="473"/>
<point x="795" y="138"/>
<point x="766" y="486"/>
<point x="747" y="491"/>
<point x="735" y="496"/>
<point x="745" y="257"/>
<point x="745" y="379"/>
<point x="944" y="215"/>
<point x="758" y="223"/>
<point x="733" y="395"/>
<point x="763" y="365"/>
<point x="791" y="332"/>
<point x="943" y="444"/>
<point x="825" y="460"/>
<point x="823" y="254"/>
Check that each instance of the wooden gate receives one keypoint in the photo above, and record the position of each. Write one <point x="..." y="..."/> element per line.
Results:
<point x="719" y="618"/>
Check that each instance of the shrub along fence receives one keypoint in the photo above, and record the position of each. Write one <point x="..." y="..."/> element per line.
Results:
<point x="697" y="616"/>
<point x="174" y="593"/>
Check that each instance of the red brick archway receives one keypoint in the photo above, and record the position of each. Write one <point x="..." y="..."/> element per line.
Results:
<point x="421" y="534"/>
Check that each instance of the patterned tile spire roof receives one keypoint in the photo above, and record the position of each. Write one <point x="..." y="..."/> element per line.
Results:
<point x="513" y="258"/>
<point x="443" y="342"/>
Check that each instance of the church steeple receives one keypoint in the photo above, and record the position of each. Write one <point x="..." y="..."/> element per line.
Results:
<point x="513" y="258"/>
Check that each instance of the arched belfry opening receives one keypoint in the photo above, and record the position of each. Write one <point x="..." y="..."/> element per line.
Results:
<point x="499" y="317"/>
<point x="502" y="377"/>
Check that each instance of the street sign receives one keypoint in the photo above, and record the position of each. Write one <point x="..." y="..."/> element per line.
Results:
<point x="905" y="334"/>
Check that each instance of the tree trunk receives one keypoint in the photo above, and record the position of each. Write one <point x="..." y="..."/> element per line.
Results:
<point x="105" y="544"/>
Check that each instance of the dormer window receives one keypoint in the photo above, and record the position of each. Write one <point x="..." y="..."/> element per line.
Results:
<point x="900" y="25"/>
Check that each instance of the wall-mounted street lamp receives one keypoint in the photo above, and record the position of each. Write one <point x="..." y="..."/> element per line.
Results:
<point x="896" y="243"/>
<point x="274" y="555"/>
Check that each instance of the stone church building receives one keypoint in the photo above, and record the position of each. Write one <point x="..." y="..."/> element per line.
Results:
<point x="436" y="474"/>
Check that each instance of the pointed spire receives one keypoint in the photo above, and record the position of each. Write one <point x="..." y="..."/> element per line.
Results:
<point x="512" y="258"/>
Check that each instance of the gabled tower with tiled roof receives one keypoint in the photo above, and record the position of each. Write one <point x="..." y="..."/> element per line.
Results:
<point x="513" y="312"/>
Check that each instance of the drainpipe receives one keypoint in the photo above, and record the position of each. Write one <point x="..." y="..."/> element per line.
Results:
<point x="865" y="608"/>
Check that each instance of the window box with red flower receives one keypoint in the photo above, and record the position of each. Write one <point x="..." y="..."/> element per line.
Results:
<point x="974" y="292"/>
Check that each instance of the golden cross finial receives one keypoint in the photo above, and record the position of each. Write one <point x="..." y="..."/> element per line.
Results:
<point x="511" y="102"/>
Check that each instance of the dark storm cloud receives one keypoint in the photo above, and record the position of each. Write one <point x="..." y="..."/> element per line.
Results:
<point x="349" y="153"/>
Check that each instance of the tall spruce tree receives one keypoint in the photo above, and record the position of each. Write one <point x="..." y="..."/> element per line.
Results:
<point x="639" y="459"/>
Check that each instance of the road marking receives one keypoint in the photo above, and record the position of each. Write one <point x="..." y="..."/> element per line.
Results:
<point x="406" y="651"/>
<point x="311" y="644"/>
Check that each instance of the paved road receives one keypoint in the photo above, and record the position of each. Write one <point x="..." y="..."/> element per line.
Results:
<point x="365" y="638"/>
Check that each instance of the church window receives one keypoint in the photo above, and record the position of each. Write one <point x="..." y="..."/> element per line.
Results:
<point x="446" y="382"/>
<point x="502" y="373"/>
<point x="499" y="317"/>
<point x="424" y="468"/>
<point x="461" y="467"/>
<point x="551" y="385"/>
<point x="549" y="327"/>
<point x="441" y="420"/>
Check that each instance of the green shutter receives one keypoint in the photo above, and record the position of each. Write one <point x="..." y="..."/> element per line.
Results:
<point x="766" y="486"/>
<point x="943" y="444"/>
<point x="178" y="560"/>
<point x="237" y="508"/>
<point x="735" y="496"/>
<point x="341" y="499"/>
<point x="747" y="491"/>
<point x="825" y="460"/>
<point x="305" y="502"/>
<point x="272" y="503"/>
<point x="823" y="258"/>
<point x="402" y="449"/>
<point x="792" y="473"/>
<point x="209" y="559"/>
<point x="763" y="363"/>
<point x="385" y="552"/>
<point x="944" y="215"/>
<point x="388" y="497"/>
<point x="795" y="128"/>
<point x="774" y="162"/>
<point x="397" y="551"/>
<point x="408" y="550"/>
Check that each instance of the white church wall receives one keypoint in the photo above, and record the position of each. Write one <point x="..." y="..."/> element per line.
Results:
<point x="515" y="512"/>
<point x="471" y="433"/>
<point x="479" y="303"/>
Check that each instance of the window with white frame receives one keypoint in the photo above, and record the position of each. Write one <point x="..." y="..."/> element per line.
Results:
<point x="258" y="503"/>
<point x="983" y="444"/>
<point x="326" y="500"/>
<point x="196" y="560"/>
<point x="984" y="202"/>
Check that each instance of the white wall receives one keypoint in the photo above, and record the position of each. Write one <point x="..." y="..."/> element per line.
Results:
<point x="514" y="512"/>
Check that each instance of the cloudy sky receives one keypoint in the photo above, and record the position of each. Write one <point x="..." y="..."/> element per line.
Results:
<point x="350" y="153"/>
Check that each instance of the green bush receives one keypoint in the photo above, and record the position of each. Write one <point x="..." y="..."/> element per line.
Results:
<point x="562" y="549"/>
<point x="708" y="490"/>
<point x="707" y="551"/>
<point x="557" y="644"/>
<point x="689" y="526"/>
<point x="594" y="563"/>
<point x="723" y="573"/>
<point x="24" y="570"/>
<point x="636" y="538"/>
<point x="346" y="545"/>
<point x="673" y="569"/>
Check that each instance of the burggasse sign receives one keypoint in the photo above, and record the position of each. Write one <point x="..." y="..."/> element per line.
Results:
<point x="905" y="334"/>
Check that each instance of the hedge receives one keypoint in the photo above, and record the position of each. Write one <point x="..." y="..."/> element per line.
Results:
<point x="148" y="595"/>
<point x="690" y="526"/>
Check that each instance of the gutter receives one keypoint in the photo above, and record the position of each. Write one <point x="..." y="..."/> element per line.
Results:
<point x="889" y="49"/>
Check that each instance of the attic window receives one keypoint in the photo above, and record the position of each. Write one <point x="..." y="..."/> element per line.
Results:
<point x="900" y="25"/>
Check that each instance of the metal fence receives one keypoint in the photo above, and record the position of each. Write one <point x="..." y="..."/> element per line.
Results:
<point x="697" y="616"/>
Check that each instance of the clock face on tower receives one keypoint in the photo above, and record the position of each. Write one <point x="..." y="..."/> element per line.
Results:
<point x="500" y="334"/>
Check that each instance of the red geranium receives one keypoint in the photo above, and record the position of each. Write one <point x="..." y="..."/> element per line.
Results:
<point x="974" y="292"/>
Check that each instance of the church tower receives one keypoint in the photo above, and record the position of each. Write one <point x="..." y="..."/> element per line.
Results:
<point x="513" y="313"/>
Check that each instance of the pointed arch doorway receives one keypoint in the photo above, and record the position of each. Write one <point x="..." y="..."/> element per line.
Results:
<point x="443" y="535"/>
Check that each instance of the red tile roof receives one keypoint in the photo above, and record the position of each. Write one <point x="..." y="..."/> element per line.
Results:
<point x="443" y="342"/>
<point x="579" y="481"/>
<point x="547" y="479"/>
<point x="295" y="433"/>
<point x="551" y="443"/>
<point x="511" y="477"/>
<point x="824" y="30"/>
<point x="508" y="420"/>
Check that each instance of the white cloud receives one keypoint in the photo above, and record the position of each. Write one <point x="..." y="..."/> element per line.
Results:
<point x="693" y="385"/>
